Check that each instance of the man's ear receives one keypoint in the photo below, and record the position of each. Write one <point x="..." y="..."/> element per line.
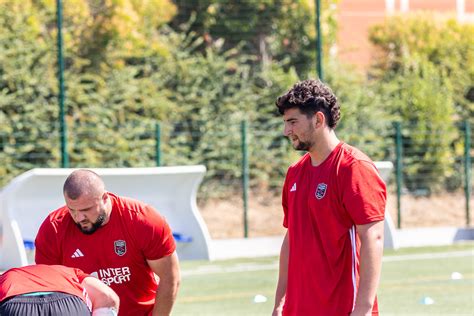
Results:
<point x="319" y="119"/>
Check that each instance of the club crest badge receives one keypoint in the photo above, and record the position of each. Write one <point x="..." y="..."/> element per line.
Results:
<point x="321" y="191"/>
<point x="120" y="247"/>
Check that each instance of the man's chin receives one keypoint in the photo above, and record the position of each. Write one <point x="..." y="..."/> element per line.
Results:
<point x="88" y="230"/>
<point x="296" y="145"/>
<point x="300" y="146"/>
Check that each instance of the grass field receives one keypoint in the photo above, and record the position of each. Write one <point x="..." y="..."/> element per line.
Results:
<point x="411" y="278"/>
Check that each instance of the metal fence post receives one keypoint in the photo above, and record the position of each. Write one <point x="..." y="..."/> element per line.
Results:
<point x="319" y="42"/>
<point x="158" y="144"/>
<point x="62" y="120"/>
<point x="399" y="170"/>
<point x="245" y="174"/>
<point x="467" y="170"/>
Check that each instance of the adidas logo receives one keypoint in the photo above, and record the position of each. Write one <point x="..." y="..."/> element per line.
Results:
<point x="293" y="188"/>
<point x="77" y="254"/>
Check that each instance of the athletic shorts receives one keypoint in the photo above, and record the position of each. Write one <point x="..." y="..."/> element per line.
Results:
<point x="54" y="304"/>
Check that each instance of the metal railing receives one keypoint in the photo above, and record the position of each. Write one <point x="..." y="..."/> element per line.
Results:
<point x="240" y="157"/>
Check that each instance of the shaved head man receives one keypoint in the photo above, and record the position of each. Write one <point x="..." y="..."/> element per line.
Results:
<point x="121" y="241"/>
<point x="83" y="182"/>
<point x="88" y="203"/>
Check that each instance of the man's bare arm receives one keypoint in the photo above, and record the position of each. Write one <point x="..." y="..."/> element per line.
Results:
<point x="371" y="251"/>
<point x="101" y="296"/>
<point x="167" y="269"/>
<point x="282" y="278"/>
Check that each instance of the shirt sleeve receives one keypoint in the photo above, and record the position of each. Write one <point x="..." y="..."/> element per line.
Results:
<point x="81" y="275"/>
<point x="284" y="201"/>
<point x="46" y="247"/>
<point x="155" y="236"/>
<point x="364" y="193"/>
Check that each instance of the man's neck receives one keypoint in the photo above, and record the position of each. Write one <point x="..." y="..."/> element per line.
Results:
<point x="108" y="210"/>
<point x="323" y="148"/>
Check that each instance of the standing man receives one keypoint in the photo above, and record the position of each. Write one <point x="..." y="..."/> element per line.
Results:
<point x="121" y="241"/>
<point x="54" y="290"/>
<point x="333" y="201"/>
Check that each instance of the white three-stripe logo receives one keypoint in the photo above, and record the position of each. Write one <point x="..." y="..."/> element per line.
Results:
<point x="78" y="253"/>
<point x="293" y="188"/>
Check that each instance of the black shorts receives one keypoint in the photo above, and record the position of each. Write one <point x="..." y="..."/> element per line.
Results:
<point x="54" y="304"/>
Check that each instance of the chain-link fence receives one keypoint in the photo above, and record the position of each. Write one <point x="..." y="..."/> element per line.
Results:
<point x="246" y="163"/>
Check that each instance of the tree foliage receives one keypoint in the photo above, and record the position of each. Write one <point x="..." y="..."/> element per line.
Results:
<point x="270" y="30"/>
<point x="114" y="96"/>
<point x="426" y="38"/>
<point x="27" y="90"/>
<point x="200" y="68"/>
<point x="365" y="122"/>
<point x="425" y="74"/>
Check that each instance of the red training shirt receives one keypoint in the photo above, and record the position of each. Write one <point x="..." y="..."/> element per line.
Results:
<point x="322" y="205"/>
<point x="42" y="278"/>
<point x="116" y="253"/>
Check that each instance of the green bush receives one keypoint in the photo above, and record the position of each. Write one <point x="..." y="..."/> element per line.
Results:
<point x="423" y="76"/>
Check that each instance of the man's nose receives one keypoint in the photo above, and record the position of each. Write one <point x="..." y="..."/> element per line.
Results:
<point x="287" y="130"/>
<point x="79" y="216"/>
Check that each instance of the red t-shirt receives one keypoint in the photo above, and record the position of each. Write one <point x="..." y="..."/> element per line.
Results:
<point x="42" y="278"/>
<point x="322" y="205"/>
<point x="116" y="253"/>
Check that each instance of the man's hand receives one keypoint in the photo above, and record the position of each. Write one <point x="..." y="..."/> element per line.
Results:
<point x="277" y="311"/>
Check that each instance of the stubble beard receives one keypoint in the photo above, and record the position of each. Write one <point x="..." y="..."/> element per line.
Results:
<point x="302" y="146"/>
<point x="305" y="145"/>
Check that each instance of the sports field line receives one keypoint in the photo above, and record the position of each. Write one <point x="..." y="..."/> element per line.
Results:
<point x="432" y="284"/>
<point x="437" y="255"/>
<point x="216" y="269"/>
<point x="220" y="297"/>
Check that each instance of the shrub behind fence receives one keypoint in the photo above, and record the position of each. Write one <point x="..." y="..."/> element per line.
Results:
<point x="425" y="163"/>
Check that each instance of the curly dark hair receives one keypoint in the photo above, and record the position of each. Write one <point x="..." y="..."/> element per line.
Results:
<point x="311" y="96"/>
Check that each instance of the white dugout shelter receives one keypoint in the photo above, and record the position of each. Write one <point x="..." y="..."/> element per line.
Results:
<point x="29" y="198"/>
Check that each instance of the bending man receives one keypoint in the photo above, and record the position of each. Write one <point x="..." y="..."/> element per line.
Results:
<point x="54" y="290"/>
